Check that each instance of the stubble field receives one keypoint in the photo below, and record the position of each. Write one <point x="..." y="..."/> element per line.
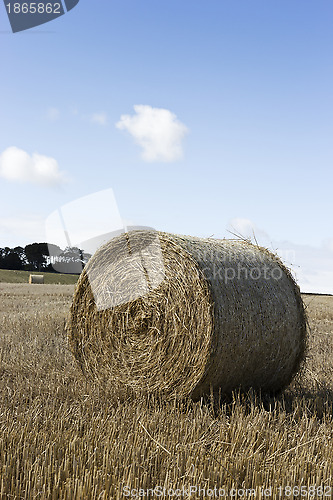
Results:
<point x="62" y="438"/>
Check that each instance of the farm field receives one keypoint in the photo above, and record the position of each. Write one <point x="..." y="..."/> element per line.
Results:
<point x="63" y="438"/>
<point x="7" y="276"/>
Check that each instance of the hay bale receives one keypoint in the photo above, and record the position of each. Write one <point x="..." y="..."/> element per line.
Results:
<point x="158" y="312"/>
<point x="36" y="279"/>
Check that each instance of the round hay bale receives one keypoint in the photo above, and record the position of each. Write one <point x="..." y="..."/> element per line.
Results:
<point x="179" y="315"/>
<point x="36" y="279"/>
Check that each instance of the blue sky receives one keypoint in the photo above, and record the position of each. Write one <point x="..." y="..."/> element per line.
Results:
<point x="245" y="141"/>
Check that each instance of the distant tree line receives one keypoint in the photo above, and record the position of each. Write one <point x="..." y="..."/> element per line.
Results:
<point x="43" y="257"/>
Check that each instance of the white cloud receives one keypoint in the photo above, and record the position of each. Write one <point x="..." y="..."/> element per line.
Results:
<point x="157" y="131"/>
<point x="312" y="266"/>
<point x="53" y="114"/>
<point x="100" y="118"/>
<point x="73" y="110"/>
<point x="22" y="230"/>
<point x="246" y="228"/>
<point x="18" y="166"/>
<point x="328" y="244"/>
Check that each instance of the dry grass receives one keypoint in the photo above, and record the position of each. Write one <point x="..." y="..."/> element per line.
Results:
<point x="60" y="438"/>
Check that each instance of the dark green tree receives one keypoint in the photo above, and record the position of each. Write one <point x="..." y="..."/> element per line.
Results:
<point x="11" y="258"/>
<point x="36" y="256"/>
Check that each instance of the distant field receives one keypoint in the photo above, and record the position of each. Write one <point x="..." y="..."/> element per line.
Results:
<point x="50" y="278"/>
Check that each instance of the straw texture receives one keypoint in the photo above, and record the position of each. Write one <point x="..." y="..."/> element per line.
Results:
<point x="179" y="315"/>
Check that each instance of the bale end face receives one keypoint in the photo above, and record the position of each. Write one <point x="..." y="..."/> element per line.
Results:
<point x="36" y="279"/>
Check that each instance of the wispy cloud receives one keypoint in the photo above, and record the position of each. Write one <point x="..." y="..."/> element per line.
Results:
<point x="28" y="228"/>
<point x="246" y="228"/>
<point x="328" y="244"/>
<point x="157" y="131"/>
<point x="311" y="266"/>
<point x="99" y="118"/>
<point x="17" y="165"/>
<point x="53" y="114"/>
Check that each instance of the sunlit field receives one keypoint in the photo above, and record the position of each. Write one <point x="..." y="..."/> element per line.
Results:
<point x="63" y="438"/>
<point x="7" y="276"/>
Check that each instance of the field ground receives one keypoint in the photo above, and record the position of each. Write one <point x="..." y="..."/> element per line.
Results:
<point x="62" y="438"/>
<point x="49" y="278"/>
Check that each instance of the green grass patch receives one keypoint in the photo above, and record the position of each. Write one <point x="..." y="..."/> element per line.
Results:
<point x="49" y="278"/>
